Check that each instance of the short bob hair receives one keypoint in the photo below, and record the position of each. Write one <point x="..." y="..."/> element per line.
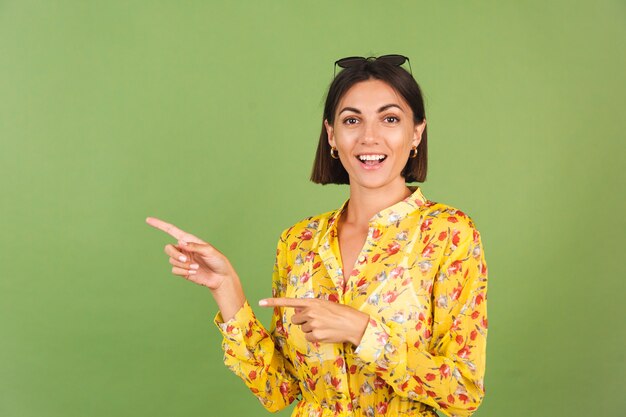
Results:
<point x="327" y="170"/>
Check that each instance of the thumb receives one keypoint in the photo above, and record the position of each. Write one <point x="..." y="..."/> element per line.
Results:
<point x="199" y="248"/>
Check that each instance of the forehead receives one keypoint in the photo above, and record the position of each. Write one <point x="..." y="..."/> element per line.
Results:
<point x="371" y="94"/>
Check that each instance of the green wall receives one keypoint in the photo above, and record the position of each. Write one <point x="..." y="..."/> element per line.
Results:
<point x="206" y="114"/>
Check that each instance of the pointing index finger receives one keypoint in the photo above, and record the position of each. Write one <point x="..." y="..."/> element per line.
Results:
<point x="168" y="228"/>
<point x="286" y="302"/>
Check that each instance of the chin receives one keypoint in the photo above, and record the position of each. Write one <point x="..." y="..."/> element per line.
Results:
<point x="371" y="182"/>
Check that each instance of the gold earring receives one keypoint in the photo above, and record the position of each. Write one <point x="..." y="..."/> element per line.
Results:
<point x="413" y="155"/>
<point x="332" y="154"/>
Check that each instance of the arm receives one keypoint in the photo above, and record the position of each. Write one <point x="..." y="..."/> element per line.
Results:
<point x="449" y="375"/>
<point x="254" y="355"/>
<point x="250" y="351"/>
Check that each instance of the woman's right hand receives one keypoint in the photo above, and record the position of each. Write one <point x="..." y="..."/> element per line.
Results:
<point x="193" y="258"/>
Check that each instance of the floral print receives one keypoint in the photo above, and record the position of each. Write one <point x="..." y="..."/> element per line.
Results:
<point x="422" y="278"/>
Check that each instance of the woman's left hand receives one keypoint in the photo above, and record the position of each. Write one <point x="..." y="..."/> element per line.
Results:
<point x="322" y="320"/>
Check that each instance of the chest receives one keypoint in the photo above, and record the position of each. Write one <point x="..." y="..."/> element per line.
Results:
<point x="385" y="274"/>
<point x="351" y="240"/>
<point x="366" y="267"/>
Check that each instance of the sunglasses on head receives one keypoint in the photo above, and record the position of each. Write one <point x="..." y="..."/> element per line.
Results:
<point x="352" y="61"/>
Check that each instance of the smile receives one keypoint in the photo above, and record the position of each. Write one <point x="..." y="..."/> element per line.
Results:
<point x="371" y="161"/>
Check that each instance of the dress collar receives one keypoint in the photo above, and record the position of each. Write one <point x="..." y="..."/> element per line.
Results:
<point x="391" y="214"/>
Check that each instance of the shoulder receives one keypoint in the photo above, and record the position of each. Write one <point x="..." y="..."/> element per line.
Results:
<point x="448" y="221"/>
<point x="448" y="214"/>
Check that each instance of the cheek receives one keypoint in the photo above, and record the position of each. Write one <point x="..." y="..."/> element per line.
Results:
<point x="401" y="142"/>
<point x="345" y="140"/>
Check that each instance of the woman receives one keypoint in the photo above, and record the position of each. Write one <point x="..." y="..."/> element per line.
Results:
<point x="380" y="305"/>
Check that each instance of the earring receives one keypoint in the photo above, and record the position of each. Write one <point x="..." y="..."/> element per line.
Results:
<point x="413" y="155"/>
<point x="332" y="153"/>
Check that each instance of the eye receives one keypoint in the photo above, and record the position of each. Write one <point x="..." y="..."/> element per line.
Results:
<point x="392" y="119"/>
<point x="350" y="120"/>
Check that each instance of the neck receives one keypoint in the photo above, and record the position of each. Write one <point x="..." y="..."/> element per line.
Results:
<point x="366" y="202"/>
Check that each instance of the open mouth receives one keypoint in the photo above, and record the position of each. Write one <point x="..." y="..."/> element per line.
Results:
<point x="371" y="160"/>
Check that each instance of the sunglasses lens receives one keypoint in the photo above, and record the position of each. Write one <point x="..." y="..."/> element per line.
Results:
<point x="349" y="61"/>
<point x="393" y="59"/>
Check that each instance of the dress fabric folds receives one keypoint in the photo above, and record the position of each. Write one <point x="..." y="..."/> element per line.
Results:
<point x="422" y="278"/>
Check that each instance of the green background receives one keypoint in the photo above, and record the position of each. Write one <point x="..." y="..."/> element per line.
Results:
<point x="207" y="114"/>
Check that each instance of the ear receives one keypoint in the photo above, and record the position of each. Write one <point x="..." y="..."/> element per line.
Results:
<point x="417" y="133"/>
<point x="330" y="133"/>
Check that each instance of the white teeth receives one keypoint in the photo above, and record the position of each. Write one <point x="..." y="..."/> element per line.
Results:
<point x="371" y="157"/>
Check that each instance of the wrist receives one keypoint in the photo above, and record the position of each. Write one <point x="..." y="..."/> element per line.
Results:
<point x="359" y="324"/>
<point x="229" y="297"/>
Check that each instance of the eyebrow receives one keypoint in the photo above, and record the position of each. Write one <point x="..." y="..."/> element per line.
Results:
<point x="380" y="110"/>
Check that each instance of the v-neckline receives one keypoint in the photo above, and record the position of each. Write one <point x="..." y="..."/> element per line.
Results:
<point x="346" y="275"/>
<point x="330" y="249"/>
<point x="340" y="259"/>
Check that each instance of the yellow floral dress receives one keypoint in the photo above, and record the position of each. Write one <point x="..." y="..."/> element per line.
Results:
<point x="422" y="278"/>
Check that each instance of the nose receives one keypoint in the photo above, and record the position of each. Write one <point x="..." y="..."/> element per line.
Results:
<point x="370" y="134"/>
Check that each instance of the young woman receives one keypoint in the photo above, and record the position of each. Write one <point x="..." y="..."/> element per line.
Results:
<point x="380" y="305"/>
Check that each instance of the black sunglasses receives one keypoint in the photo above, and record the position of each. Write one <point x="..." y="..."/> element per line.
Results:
<point x="352" y="61"/>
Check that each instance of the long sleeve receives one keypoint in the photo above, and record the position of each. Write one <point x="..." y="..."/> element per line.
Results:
<point x="448" y="372"/>
<point x="254" y="355"/>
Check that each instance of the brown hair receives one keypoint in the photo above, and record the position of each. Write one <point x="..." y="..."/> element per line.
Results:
<point x="327" y="170"/>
